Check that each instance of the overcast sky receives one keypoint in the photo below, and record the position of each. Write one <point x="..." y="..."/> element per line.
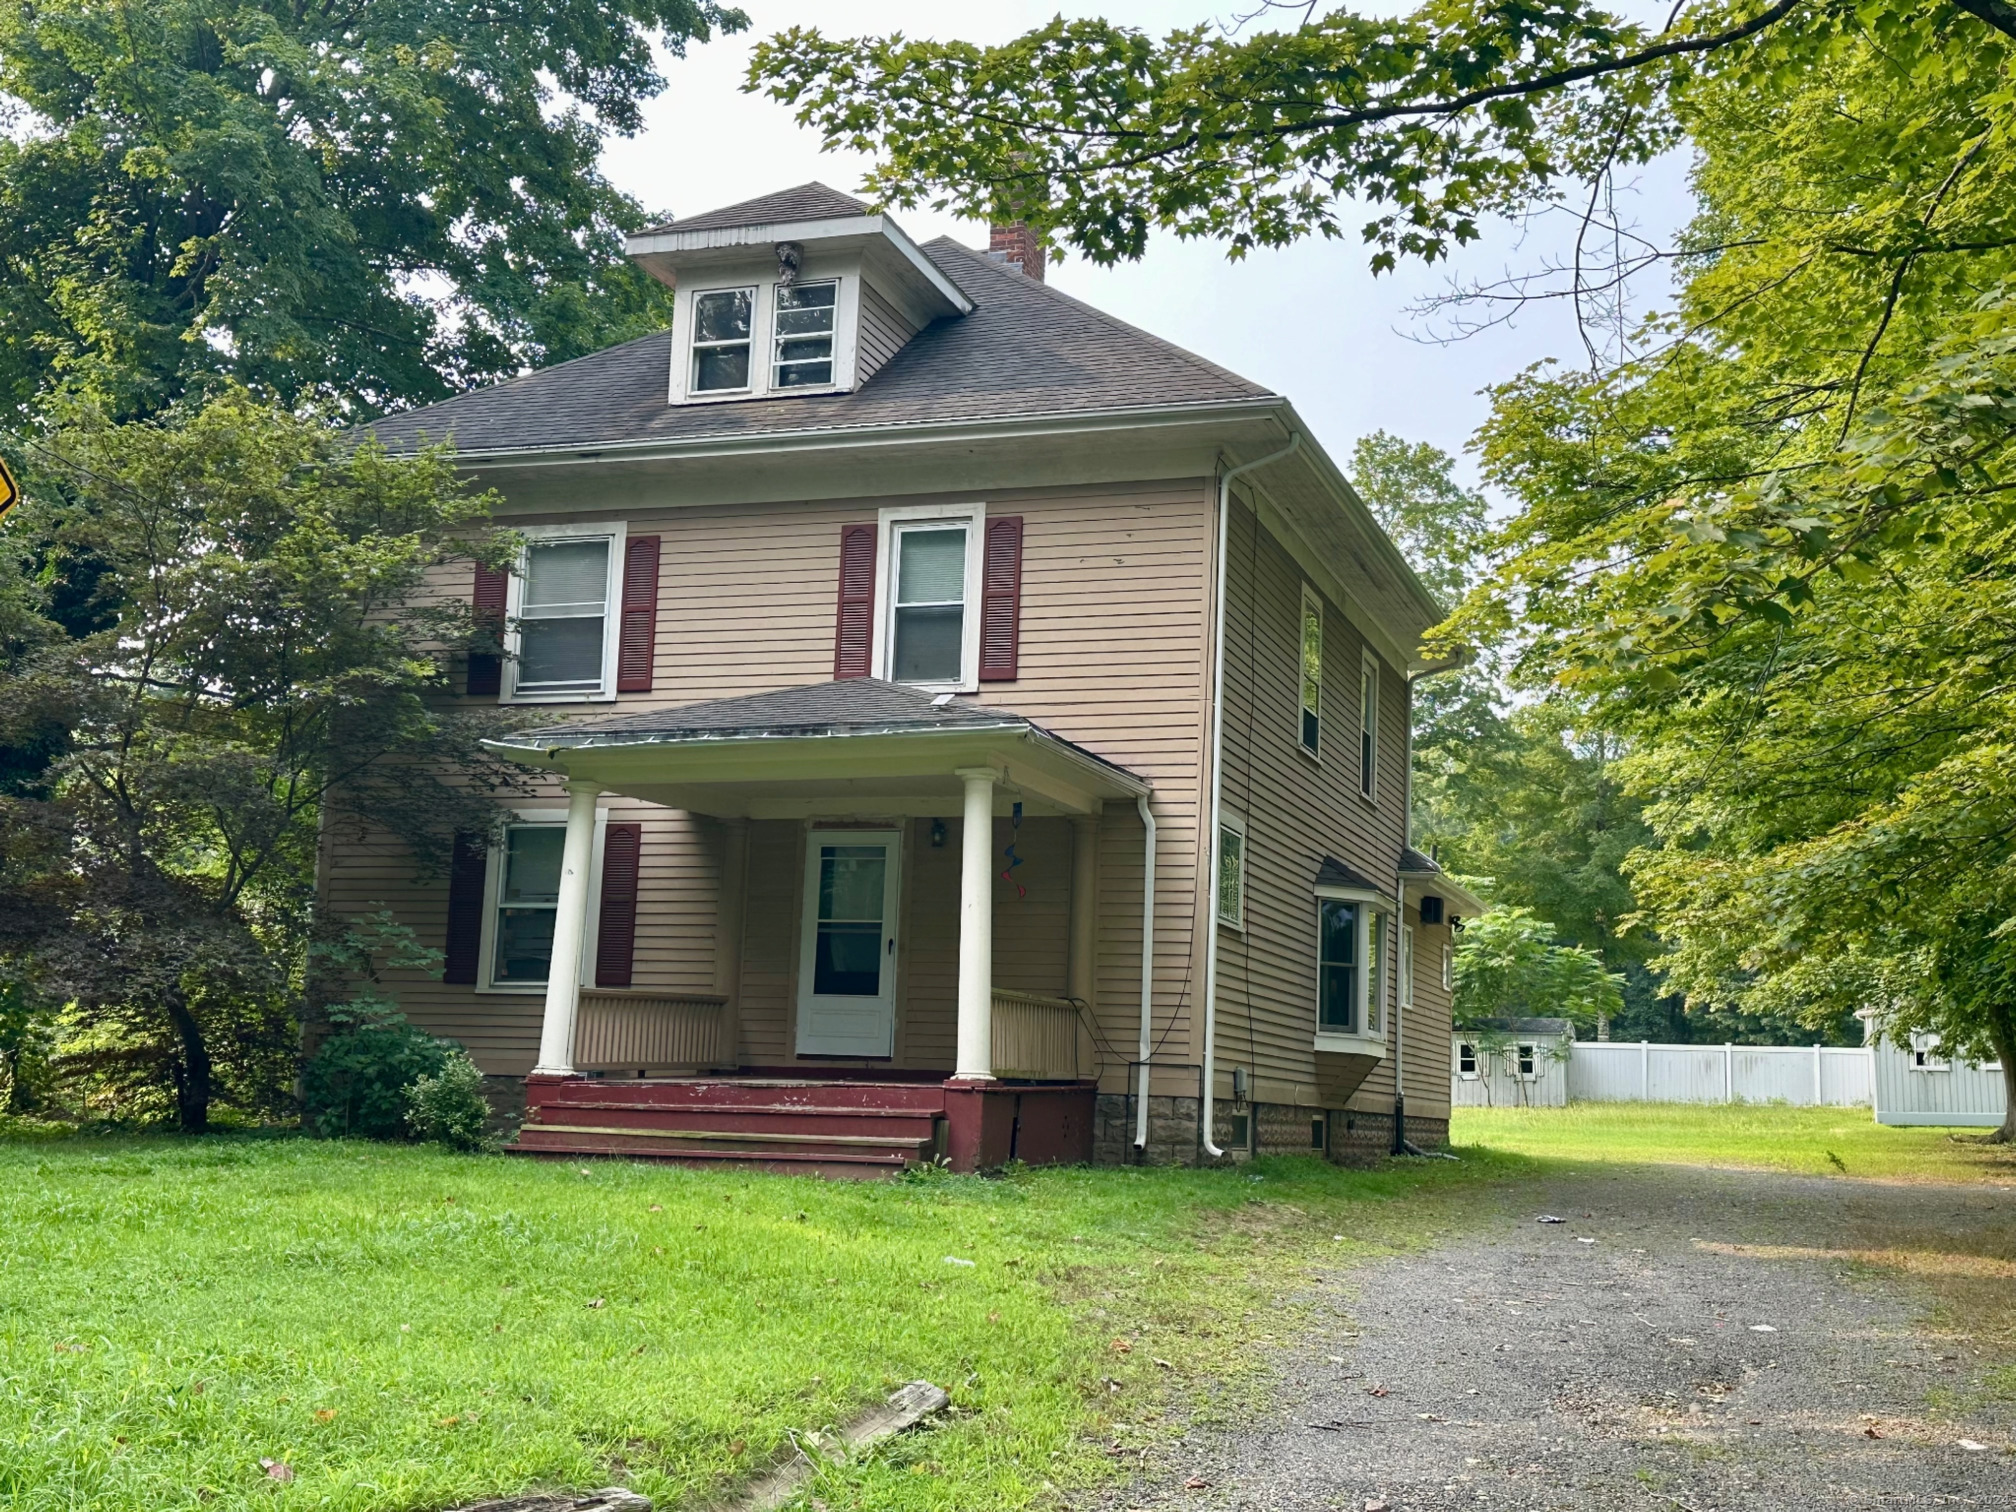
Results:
<point x="1310" y="322"/>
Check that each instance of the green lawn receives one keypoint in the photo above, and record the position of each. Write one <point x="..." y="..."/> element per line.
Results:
<point x="404" y="1329"/>
<point x="1819" y="1141"/>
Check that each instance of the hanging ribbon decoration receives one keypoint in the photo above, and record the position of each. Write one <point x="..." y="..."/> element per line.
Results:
<point x="1008" y="871"/>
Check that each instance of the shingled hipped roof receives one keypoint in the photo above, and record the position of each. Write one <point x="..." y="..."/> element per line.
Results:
<point x="1025" y="352"/>
<point x="813" y="201"/>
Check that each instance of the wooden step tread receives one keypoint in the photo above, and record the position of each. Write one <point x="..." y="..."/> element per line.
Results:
<point x="737" y="1136"/>
<point x="754" y="1110"/>
<point x="781" y="1159"/>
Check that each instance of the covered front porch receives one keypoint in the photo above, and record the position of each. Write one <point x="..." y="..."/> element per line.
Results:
<point x="878" y="850"/>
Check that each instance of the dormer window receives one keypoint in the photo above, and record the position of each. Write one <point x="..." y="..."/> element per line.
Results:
<point x="722" y="323"/>
<point x="804" y="335"/>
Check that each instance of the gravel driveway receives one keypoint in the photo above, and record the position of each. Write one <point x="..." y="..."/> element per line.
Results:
<point x="1714" y="1348"/>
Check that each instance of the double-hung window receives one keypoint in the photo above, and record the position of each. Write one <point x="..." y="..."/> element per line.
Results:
<point x="1310" y="731"/>
<point x="1368" y="727"/>
<point x="563" y="639"/>
<point x="803" y="335"/>
<point x="1350" y="967"/>
<point x="528" y="901"/>
<point x="928" y="596"/>
<point x="723" y="322"/>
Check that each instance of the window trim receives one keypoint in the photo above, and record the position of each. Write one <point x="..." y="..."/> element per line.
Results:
<point x="1368" y="724"/>
<point x="761" y="281"/>
<point x="493" y="884"/>
<point x="1234" y="824"/>
<point x="1311" y="601"/>
<point x="1364" y="1040"/>
<point x="889" y="524"/>
<point x="617" y="534"/>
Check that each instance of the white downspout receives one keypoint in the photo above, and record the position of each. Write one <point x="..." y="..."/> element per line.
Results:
<point x="1218" y="798"/>
<point x="1147" y="964"/>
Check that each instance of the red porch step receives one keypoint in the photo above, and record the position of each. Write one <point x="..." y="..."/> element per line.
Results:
<point x="824" y="1128"/>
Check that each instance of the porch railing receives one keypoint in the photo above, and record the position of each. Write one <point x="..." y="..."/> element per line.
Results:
<point x="1035" y="1038"/>
<point x="640" y="1031"/>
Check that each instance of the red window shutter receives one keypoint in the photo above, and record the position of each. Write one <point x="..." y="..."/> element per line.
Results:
<point x="468" y="869"/>
<point x="1001" y="599"/>
<point x="854" y="634"/>
<point x="616" y="933"/>
<point x="637" y="636"/>
<point x="486" y="668"/>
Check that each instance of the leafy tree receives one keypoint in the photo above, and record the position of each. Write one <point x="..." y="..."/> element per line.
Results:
<point x="380" y="204"/>
<point x="1098" y="133"/>
<point x="236" y="673"/>
<point x="1412" y="491"/>
<point x="1777" y="555"/>
<point x="1508" y="964"/>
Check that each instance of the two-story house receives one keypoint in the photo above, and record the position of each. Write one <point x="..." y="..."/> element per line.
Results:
<point x="977" y="727"/>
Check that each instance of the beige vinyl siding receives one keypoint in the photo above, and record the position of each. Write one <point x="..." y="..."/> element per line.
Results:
<point x="1114" y="625"/>
<point x="1428" y="1025"/>
<point x="881" y="334"/>
<point x="1296" y="809"/>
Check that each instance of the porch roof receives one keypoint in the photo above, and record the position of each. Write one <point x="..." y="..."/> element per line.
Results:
<point x="829" y="749"/>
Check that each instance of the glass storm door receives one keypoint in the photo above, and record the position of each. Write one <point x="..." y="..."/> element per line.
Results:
<point x="847" y="952"/>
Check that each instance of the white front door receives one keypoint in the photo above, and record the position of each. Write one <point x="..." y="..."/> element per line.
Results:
<point x="847" y="950"/>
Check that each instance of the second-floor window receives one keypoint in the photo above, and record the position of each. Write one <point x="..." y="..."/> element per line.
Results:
<point x="563" y="614"/>
<point x="928" y="619"/>
<point x="722" y="322"/>
<point x="1368" y="727"/>
<point x="1311" y="729"/>
<point x="803" y="341"/>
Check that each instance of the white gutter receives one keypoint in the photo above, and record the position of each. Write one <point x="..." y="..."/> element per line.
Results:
<point x="1218" y="797"/>
<point x="1147" y="964"/>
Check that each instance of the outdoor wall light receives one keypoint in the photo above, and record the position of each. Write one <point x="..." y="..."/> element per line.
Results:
<point x="938" y="834"/>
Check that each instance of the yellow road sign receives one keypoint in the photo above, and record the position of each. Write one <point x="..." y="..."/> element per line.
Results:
<point x="10" y="491"/>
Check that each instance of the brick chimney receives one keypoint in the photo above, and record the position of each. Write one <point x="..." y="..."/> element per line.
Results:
<point x="1019" y="245"/>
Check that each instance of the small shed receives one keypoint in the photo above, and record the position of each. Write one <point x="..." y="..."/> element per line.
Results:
<point x="1510" y="1063"/>
<point x="1916" y="1084"/>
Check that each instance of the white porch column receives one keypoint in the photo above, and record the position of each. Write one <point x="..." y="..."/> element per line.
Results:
<point x="570" y="933"/>
<point x="976" y="926"/>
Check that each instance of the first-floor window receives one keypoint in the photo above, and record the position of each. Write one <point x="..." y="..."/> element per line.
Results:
<point x="1448" y="968"/>
<point x="1466" y="1061"/>
<point x="1337" y="966"/>
<point x="1232" y="875"/>
<point x="528" y="900"/>
<point x="1375" y="971"/>
<point x="1406" y="965"/>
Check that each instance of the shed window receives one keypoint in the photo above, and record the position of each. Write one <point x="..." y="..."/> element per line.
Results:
<point x="562" y="637"/>
<point x="1526" y="1060"/>
<point x="1466" y="1062"/>
<point x="1368" y="728"/>
<point x="722" y="319"/>
<point x="1311" y="729"/>
<point x="803" y="339"/>
<point x="1232" y="873"/>
<point x="1925" y="1054"/>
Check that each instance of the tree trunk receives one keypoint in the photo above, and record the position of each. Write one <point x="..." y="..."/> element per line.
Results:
<point x="2002" y="1034"/>
<point x="191" y="1070"/>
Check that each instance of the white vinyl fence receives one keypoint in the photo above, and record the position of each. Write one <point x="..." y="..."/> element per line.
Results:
<point x="1804" y="1075"/>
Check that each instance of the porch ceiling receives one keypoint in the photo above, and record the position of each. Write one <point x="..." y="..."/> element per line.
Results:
<point x="828" y="750"/>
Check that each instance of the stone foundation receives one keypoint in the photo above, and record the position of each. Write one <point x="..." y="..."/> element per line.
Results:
<point x="1245" y="1130"/>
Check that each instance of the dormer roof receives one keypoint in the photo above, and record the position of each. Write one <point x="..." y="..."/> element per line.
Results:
<point x="820" y="221"/>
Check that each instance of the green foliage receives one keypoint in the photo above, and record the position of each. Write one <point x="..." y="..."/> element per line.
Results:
<point x="447" y="1107"/>
<point x="226" y="676"/>
<point x="360" y="1080"/>
<point x="1460" y="110"/>
<point x="26" y="1039"/>
<point x="1411" y="490"/>
<point x="375" y="203"/>
<point x="1508" y="964"/>
<point x="1779" y="557"/>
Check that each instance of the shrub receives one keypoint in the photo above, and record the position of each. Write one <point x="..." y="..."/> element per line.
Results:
<point x="448" y="1107"/>
<point x="359" y="1080"/>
